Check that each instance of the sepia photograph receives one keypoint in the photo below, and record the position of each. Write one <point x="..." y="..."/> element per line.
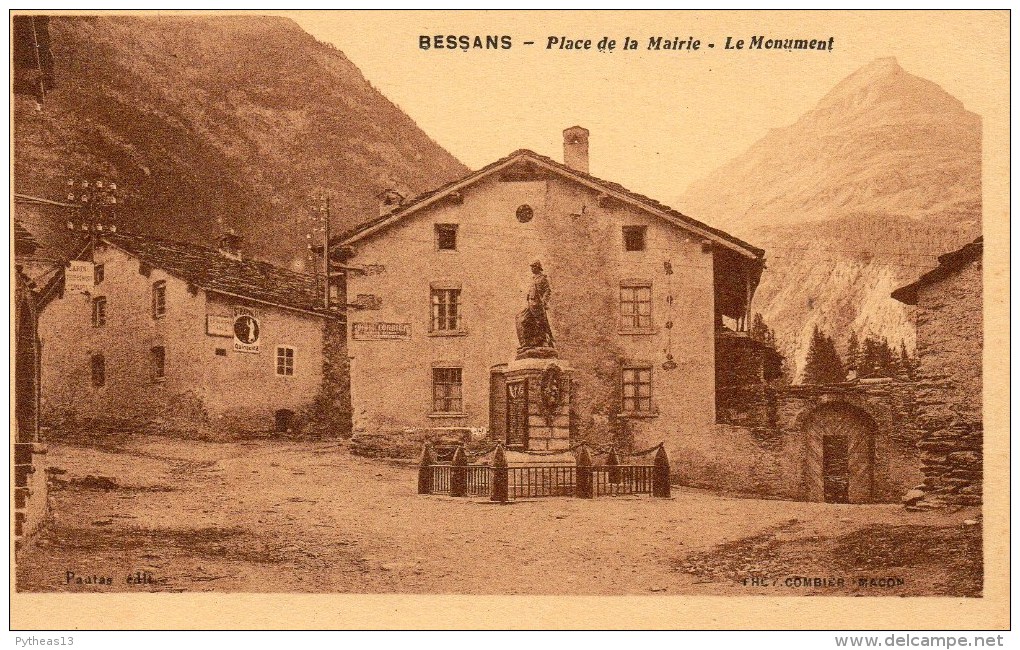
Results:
<point x="531" y="309"/>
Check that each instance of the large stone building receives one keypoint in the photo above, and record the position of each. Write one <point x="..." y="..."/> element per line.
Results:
<point x="948" y="317"/>
<point x="640" y="293"/>
<point x="175" y="337"/>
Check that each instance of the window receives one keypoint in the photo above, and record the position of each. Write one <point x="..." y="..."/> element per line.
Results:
<point x="284" y="361"/>
<point x="158" y="357"/>
<point x="445" y="310"/>
<point x="98" y="312"/>
<point x="635" y="306"/>
<point x="637" y="389"/>
<point x="525" y="213"/>
<point x="100" y="273"/>
<point x="158" y="299"/>
<point x="446" y="390"/>
<point x="98" y="370"/>
<point x="446" y="236"/>
<point x="633" y="238"/>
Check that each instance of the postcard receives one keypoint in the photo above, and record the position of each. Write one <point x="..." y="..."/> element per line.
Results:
<point x="516" y="319"/>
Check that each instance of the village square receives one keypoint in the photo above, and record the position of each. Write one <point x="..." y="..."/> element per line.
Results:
<point x="526" y="379"/>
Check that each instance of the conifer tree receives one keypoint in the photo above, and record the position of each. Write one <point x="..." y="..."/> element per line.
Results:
<point x="877" y="358"/>
<point x="823" y="365"/>
<point x="853" y="353"/>
<point x="906" y="362"/>
<point x="760" y="331"/>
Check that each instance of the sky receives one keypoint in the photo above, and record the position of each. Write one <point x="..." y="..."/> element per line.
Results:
<point x="658" y="119"/>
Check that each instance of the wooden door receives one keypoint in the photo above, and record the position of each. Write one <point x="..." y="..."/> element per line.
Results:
<point x="836" y="468"/>
<point x="840" y="455"/>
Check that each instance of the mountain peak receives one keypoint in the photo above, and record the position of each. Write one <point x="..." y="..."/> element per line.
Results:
<point x="881" y="66"/>
<point x="884" y="82"/>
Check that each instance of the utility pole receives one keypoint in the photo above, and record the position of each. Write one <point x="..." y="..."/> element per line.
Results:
<point x="93" y="196"/>
<point x="38" y="65"/>
<point x="321" y="207"/>
<point x="325" y="254"/>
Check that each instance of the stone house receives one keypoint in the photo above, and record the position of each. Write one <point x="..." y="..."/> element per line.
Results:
<point x="176" y="337"/>
<point x="948" y="317"/>
<point x="641" y="295"/>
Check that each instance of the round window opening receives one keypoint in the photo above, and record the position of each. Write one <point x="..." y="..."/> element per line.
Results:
<point x="525" y="213"/>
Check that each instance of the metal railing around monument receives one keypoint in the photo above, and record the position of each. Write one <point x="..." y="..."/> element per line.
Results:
<point x="502" y="482"/>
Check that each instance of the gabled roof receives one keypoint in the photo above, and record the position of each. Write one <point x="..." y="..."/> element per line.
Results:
<point x="213" y="271"/>
<point x="948" y="264"/>
<point x="613" y="189"/>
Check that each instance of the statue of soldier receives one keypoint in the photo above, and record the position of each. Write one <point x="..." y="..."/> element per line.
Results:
<point x="533" y="330"/>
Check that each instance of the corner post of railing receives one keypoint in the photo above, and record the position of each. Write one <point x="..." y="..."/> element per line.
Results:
<point x="660" y="474"/>
<point x="458" y="473"/>
<point x="428" y="459"/>
<point x="583" y="483"/>
<point x="500" y="484"/>
<point x="613" y="463"/>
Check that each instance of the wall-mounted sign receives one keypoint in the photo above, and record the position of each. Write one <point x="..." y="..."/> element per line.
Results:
<point x="219" y="325"/>
<point x="381" y="331"/>
<point x="247" y="330"/>
<point x="80" y="277"/>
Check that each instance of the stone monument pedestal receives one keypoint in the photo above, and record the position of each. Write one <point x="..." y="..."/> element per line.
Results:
<point x="537" y="407"/>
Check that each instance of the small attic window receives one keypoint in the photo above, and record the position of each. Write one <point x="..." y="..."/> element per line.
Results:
<point x="633" y="238"/>
<point x="525" y="213"/>
<point x="446" y="236"/>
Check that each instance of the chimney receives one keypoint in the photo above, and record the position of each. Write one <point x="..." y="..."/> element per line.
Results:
<point x="575" y="148"/>
<point x="389" y="200"/>
<point x="229" y="244"/>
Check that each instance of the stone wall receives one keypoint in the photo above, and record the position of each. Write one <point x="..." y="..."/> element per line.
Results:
<point x="949" y="393"/>
<point x="330" y="414"/>
<point x="758" y="462"/>
<point x="768" y="456"/>
<point x="889" y="404"/>
<point x="30" y="489"/>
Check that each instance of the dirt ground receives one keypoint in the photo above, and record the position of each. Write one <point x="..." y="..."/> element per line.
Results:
<point x="175" y="515"/>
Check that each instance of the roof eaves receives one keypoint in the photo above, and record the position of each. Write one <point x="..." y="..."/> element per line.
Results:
<point x="143" y="255"/>
<point x="617" y="190"/>
<point x="427" y="198"/>
<point x="948" y="263"/>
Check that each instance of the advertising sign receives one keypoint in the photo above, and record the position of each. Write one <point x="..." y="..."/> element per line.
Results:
<point x="381" y="331"/>
<point x="80" y="277"/>
<point x="219" y="325"/>
<point x="247" y="330"/>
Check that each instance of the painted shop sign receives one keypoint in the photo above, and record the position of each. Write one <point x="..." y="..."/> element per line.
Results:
<point x="80" y="277"/>
<point x="247" y="330"/>
<point x="219" y="325"/>
<point x="381" y="331"/>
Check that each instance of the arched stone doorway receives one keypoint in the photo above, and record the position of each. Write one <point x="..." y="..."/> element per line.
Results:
<point x="840" y="454"/>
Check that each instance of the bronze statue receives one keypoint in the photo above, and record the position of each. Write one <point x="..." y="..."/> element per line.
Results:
<point x="533" y="331"/>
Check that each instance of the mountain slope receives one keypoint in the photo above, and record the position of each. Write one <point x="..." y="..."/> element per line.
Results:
<point x="215" y="122"/>
<point x="852" y="200"/>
